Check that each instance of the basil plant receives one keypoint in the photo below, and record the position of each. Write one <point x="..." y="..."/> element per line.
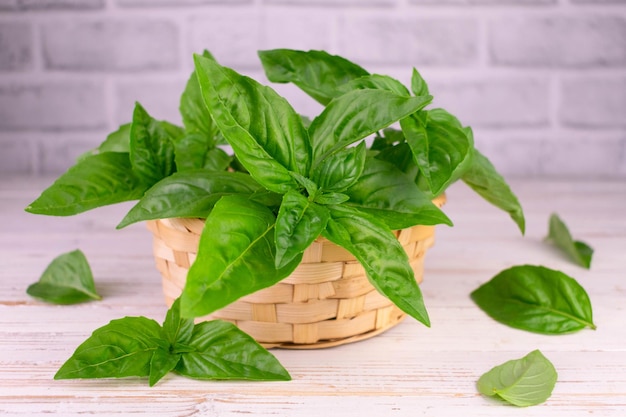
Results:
<point x="288" y="180"/>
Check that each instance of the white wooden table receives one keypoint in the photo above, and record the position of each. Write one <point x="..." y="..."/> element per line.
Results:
<point x="408" y="371"/>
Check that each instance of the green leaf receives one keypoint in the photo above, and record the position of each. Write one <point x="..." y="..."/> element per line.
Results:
<point x="376" y="82"/>
<point x="442" y="150"/>
<point x="67" y="280"/>
<point x="522" y="382"/>
<point x="95" y="181"/>
<point x="235" y="257"/>
<point x="177" y="329"/>
<point x="263" y="129"/>
<point x="482" y="177"/>
<point x="162" y="362"/>
<point x="152" y="146"/>
<point x="198" y="151"/>
<point x="299" y="222"/>
<point x="222" y="351"/>
<point x="330" y="198"/>
<point x="189" y="194"/>
<point x="418" y="84"/>
<point x="122" y="348"/>
<point x="536" y="299"/>
<point x="386" y="193"/>
<point x="340" y="170"/>
<point x="317" y="73"/>
<point x="118" y="141"/>
<point x="196" y="116"/>
<point x="356" y="115"/>
<point x="560" y="236"/>
<point x="385" y="261"/>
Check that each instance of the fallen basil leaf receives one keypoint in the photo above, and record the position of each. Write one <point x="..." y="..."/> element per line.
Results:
<point x="522" y="382"/>
<point x="162" y="363"/>
<point x="560" y="236"/>
<point x="67" y="280"/>
<point x="536" y="299"/>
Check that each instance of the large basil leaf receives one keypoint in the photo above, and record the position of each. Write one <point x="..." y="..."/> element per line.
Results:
<point x="95" y="181"/>
<point x="317" y="73"/>
<point x="265" y="132"/>
<point x="385" y="261"/>
<point x="67" y="280"/>
<point x="124" y="347"/>
<point x="340" y="170"/>
<point x="483" y="178"/>
<point x="536" y="299"/>
<point x="522" y="382"/>
<point x="376" y="81"/>
<point x="152" y="146"/>
<point x="299" y="222"/>
<point x="560" y="235"/>
<point x="198" y="151"/>
<point x="222" y="351"/>
<point x="188" y="194"/>
<point x="442" y="149"/>
<point x="358" y="114"/>
<point x="235" y="257"/>
<point x="196" y="116"/>
<point x="392" y="197"/>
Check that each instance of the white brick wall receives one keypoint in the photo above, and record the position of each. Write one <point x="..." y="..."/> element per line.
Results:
<point x="543" y="82"/>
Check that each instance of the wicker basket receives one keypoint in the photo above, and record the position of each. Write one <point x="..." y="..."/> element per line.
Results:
<point x="326" y="301"/>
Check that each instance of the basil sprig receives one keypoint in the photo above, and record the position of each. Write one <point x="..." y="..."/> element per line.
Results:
<point x="140" y="347"/>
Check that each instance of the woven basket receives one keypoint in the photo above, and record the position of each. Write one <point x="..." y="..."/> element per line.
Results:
<point x="327" y="301"/>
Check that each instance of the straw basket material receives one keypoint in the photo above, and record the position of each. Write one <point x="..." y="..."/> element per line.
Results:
<point x="326" y="301"/>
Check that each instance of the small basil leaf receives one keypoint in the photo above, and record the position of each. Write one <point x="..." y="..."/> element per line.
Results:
<point x="536" y="299"/>
<point x="264" y="130"/>
<point x="177" y="329"/>
<point x="560" y="236"/>
<point x="331" y="198"/>
<point x="95" y="181"/>
<point x="418" y="84"/>
<point x="482" y="177"/>
<point x="317" y="73"/>
<point x="222" y="351"/>
<point x="235" y="257"/>
<point x="400" y="156"/>
<point x="122" y="348"/>
<point x="385" y="261"/>
<point x="522" y="382"/>
<point x="356" y="115"/>
<point x="152" y="146"/>
<point x="298" y="224"/>
<point x="197" y="151"/>
<point x="309" y="186"/>
<point x="188" y="194"/>
<point x="376" y="82"/>
<point x="195" y="115"/>
<point x="392" y="197"/>
<point x="67" y="280"/>
<point x="161" y="363"/>
<point x="340" y="170"/>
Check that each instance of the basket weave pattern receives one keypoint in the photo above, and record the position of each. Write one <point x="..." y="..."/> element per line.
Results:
<point x="326" y="301"/>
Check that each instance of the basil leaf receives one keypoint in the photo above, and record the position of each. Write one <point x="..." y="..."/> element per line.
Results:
<point x="358" y="114"/>
<point x="298" y="224"/>
<point x="195" y="115"/>
<point x="522" y="382"/>
<point x="265" y="132"/>
<point x="560" y="236"/>
<point x="442" y="150"/>
<point x="67" y="280"/>
<point x="118" y="141"/>
<point x="95" y="181"/>
<point x="198" y="151"/>
<point x="418" y="84"/>
<point x="235" y="257"/>
<point x="330" y="198"/>
<point x="177" y="329"/>
<point x="188" y="194"/>
<point x="222" y="351"/>
<point x="392" y="197"/>
<point x="162" y="362"/>
<point x="401" y="157"/>
<point x="536" y="299"/>
<point x="152" y="146"/>
<point x="122" y="348"/>
<point x="482" y="177"/>
<point x="382" y="256"/>
<point x="317" y="73"/>
<point x="377" y="82"/>
<point x="340" y="170"/>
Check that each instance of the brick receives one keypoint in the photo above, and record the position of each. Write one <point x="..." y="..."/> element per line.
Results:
<point x="16" y="46"/>
<point x="583" y="158"/>
<point x="514" y="156"/>
<point x="360" y="3"/>
<point x="399" y="40"/>
<point x="110" y="45"/>
<point x="596" y="102"/>
<point x="52" y="106"/>
<point x="481" y="2"/>
<point x="284" y="30"/>
<point x="233" y="37"/>
<point x="60" y="4"/>
<point x="17" y="156"/>
<point x="160" y="99"/>
<point x="496" y="102"/>
<point x="558" y="41"/>
<point x="176" y="3"/>
<point x="598" y="1"/>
